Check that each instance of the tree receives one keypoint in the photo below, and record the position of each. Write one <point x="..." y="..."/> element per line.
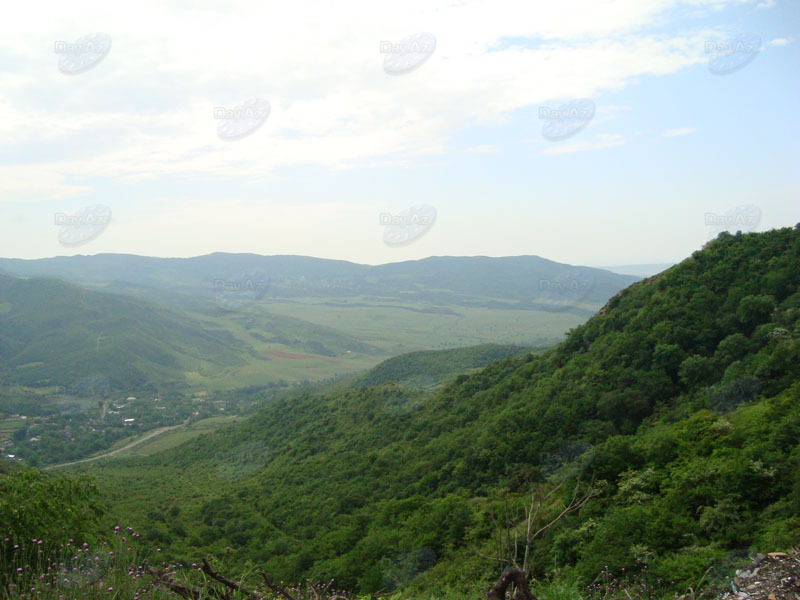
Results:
<point x="523" y="525"/>
<point x="695" y="370"/>
<point x="754" y="310"/>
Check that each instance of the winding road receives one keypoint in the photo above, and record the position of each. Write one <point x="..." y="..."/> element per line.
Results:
<point x="132" y="444"/>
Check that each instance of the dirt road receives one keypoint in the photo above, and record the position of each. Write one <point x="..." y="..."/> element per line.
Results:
<point x="132" y="444"/>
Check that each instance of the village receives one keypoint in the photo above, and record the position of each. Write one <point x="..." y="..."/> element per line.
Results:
<point x="63" y="427"/>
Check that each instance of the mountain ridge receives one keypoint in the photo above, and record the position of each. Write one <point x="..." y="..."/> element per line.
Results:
<point x="680" y="396"/>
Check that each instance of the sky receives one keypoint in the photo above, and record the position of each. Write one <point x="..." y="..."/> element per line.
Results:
<point x="591" y="132"/>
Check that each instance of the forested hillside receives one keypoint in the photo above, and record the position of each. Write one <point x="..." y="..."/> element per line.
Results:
<point x="675" y="408"/>
<point x="430" y="367"/>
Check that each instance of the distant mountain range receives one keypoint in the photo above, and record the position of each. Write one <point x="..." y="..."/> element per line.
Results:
<point x="235" y="320"/>
<point x="519" y="282"/>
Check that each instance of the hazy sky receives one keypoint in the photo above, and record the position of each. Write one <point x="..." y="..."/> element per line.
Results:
<point x="680" y="129"/>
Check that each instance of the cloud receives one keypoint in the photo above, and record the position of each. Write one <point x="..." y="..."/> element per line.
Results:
<point x="780" y="42"/>
<point x="679" y="131"/>
<point x="146" y="111"/>
<point x="485" y="149"/>
<point x="599" y="142"/>
<point x="766" y="4"/>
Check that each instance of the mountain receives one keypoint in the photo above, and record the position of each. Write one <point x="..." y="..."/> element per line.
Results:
<point x="521" y="282"/>
<point x="428" y="368"/>
<point x="645" y="270"/>
<point x="54" y="333"/>
<point x="675" y="409"/>
<point x="296" y="318"/>
<point x="261" y="319"/>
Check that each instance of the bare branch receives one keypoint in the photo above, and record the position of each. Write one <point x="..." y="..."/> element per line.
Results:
<point x="223" y="580"/>
<point x="509" y="576"/>
<point x="275" y="588"/>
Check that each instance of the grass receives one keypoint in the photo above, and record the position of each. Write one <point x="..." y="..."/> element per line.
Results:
<point x="404" y="329"/>
<point x="118" y="566"/>
<point x="300" y="327"/>
<point x="121" y="565"/>
<point x="8" y="426"/>
<point x="176" y="437"/>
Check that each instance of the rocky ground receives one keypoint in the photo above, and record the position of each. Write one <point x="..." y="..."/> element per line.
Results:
<point x="775" y="576"/>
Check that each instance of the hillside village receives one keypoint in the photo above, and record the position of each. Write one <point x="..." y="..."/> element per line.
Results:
<point x="69" y="427"/>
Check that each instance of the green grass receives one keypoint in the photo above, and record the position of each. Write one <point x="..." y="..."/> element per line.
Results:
<point x="162" y="442"/>
<point x="8" y="425"/>
<point x="387" y="330"/>
<point x="399" y="330"/>
<point x="173" y="438"/>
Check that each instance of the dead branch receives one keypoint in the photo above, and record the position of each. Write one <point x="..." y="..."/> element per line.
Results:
<point x="275" y="588"/>
<point x="509" y="576"/>
<point x="181" y="590"/>
<point x="223" y="580"/>
<point x="508" y="549"/>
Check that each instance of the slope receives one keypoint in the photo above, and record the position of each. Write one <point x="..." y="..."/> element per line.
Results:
<point x="53" y="333"/>
<point x="680" y="399"/>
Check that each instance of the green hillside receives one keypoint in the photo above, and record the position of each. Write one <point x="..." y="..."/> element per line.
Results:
<point x="428" y="368"/>
<point x="53" y="333"/>
<point x="678" y="402"/>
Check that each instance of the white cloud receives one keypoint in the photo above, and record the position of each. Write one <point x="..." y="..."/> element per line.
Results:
<point x="780" y="42"/>
<point x="599" y="142"/>
<point x="146" y="110"/>
<point x="679" y="131"/>
<point x="138" y="127"/>
<point x="485" y="149"/>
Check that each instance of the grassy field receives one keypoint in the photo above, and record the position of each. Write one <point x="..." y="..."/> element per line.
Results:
<point x="9" y="426"/>
<point x="398" y="329"/>
<point x="316" y="339"/>
<point x="177" y="436"/>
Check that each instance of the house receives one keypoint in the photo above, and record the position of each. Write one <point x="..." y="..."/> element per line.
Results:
<point x="126" y="421"/>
